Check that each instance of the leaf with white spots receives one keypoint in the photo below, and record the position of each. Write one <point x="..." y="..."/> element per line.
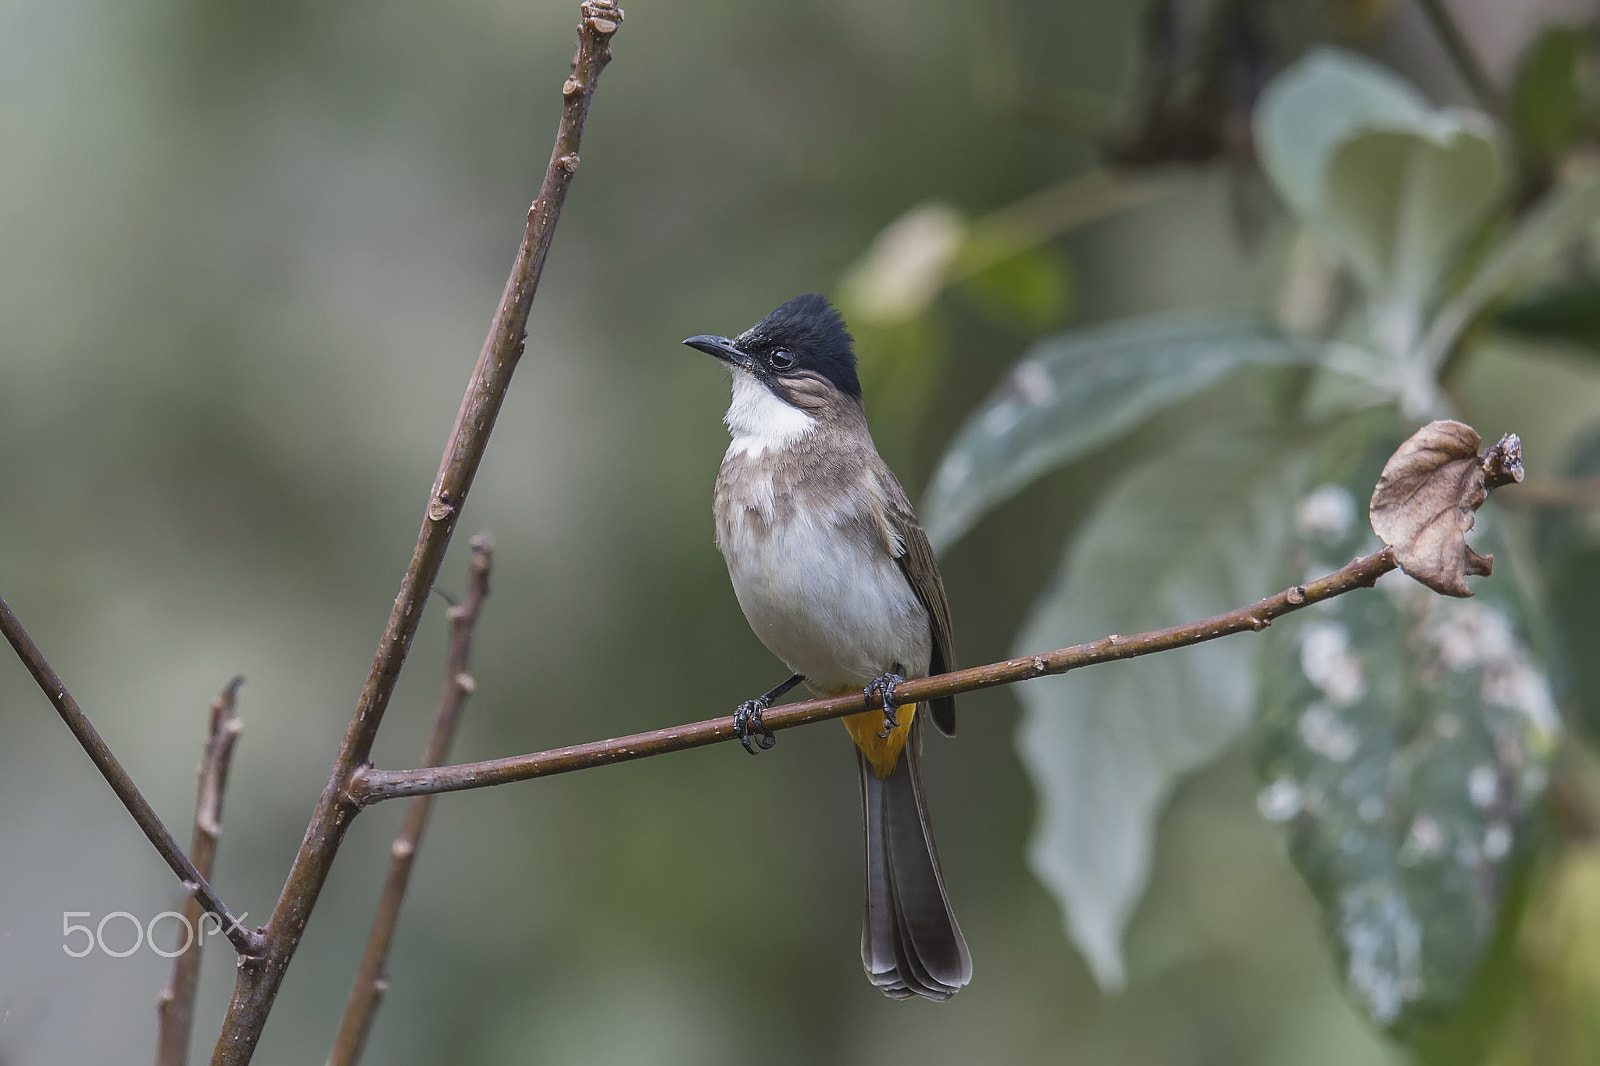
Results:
<point x="1180" y="538"/>
<point x="1404" y="741"/>
<point x="1078" y="391"/>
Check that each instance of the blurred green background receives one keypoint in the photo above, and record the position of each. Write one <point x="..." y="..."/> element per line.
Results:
<point x="247" y="256"/>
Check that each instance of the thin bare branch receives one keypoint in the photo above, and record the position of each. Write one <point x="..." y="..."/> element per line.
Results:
<point x="1462" y="55"/>
<point x="369" y="785"/>
<point x="372" y="980"/>
<point x="246" y="941"/>
<point x="259" y="977"/>
<point x="175" y="1004"/>
<point x="1583" y="493"/>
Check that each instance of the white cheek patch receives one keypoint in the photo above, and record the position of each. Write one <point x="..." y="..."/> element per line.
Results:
<point x="759" y="420"/>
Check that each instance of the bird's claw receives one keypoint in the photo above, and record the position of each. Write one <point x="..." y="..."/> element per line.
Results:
<point x="747" y="725"/>
<point x="882" y="688"/>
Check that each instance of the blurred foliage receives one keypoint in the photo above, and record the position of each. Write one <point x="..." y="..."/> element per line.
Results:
<point x="1405" y="741"/>
<point x="1568" y="545"/>
<point x="1555" y="103"/>
<point x="1179" y="537"/>
<point x="1569" y="313"/>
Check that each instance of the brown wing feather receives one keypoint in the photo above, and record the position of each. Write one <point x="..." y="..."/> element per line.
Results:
<point x="921" y="568"/>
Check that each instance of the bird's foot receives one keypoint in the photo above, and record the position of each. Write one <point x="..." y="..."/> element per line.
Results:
<point x="747" y="725"/>
<point x="882" y="688"/>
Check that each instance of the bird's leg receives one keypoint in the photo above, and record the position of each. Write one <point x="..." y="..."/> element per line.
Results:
<point x="882" y="688"/>
<point x="748" y="717"/>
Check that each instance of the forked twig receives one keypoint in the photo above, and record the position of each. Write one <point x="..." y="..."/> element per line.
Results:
<point x="175" y="1004"/>
<point x="1462" y="55"/>
<point x="366" y="994"/>
<point x="261" y="975"/>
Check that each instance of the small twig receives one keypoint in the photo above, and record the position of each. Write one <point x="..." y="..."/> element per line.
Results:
<point x="175" y="1004"/>
<point x="369" y="785"/>
<point x="366" y="995"/>
<point x="260" y="976"/>
<point x="1461" y="54"/>
<point x="244" y="940"/>
<point x="1584" y="493"/>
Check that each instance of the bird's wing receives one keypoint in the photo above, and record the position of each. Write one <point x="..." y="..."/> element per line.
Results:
<point x="921" y="568"/>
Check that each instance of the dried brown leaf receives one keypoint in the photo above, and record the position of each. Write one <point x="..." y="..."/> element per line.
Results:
<point x="1424" y="503"/>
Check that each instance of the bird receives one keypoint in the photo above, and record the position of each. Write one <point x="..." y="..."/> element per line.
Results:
<point x="836" y="577"/>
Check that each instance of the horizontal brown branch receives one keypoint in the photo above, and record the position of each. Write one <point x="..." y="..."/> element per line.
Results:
<point x="368" y="785"/>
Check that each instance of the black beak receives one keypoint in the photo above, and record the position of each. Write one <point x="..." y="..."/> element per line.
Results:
<point x="721" y="347"/>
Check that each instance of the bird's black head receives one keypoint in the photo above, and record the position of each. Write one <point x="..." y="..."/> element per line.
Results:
<point x="805" y="334"/>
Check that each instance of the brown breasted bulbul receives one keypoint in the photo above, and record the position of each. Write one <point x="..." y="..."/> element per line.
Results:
<point x="837" y="578"/>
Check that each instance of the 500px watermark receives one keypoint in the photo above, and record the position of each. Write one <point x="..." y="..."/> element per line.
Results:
<point x="121" y="925"/>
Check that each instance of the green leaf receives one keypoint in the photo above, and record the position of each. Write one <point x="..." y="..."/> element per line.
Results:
<point x="1396" y="185"/>
<point x="1180" y="538"/>
<point x="1404" y="741"/>
<point x="1567" y="313"/>
<point x="1402" y="202"/>
<point x="1306" y="113"/>
<point x="905" y="267"/>
<point x="1543" y="231"/>
<point x="1548" y="109"/>
<point x="1026" y="286"/>
<point x="1078" y="391"/>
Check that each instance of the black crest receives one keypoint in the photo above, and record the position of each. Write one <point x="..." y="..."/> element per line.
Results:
<point x="812" y="332"/>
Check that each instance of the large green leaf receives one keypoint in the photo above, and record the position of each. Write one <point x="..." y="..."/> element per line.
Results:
<point x="1187" y="535"/>
<point x="1548" y="109"/>
<point x="1307" y="112"/>
<point x="1078" y="391"/>
<point x="1402" y="202"/>
<point x="1404" y="740"/>
<point x="1396" y="185"/>
<point x="1544" y="230"/>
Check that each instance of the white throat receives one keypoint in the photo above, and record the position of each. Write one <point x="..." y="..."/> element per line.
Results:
<point x="759" y="420"/>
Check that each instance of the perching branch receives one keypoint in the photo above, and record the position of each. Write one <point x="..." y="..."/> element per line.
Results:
<point x="368" y="785"/>
<point x="175" y="1004"/>
<point x="260" y="976"/>
<point x="194" y="882"/>
<point x="1423" y="507"/>
<point x="366" y="995"/>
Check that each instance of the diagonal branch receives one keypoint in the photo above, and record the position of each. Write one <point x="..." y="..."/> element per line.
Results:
<point x="1462" y="55"/>
<point x="175" y="1004"/>
<point x="368" y="785"/>
<point x="194" y="882"/>
<point x="259" y="977"/>
<point x="366" y="995"/>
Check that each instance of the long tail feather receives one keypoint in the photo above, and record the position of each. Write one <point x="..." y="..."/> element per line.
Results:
<point x="910" y="942"/>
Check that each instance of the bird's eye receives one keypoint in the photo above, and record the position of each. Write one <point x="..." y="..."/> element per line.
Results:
<point x="782" y="360"/>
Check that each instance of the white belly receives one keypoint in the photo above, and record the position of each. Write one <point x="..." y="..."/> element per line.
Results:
<point x="826" y="598"/>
